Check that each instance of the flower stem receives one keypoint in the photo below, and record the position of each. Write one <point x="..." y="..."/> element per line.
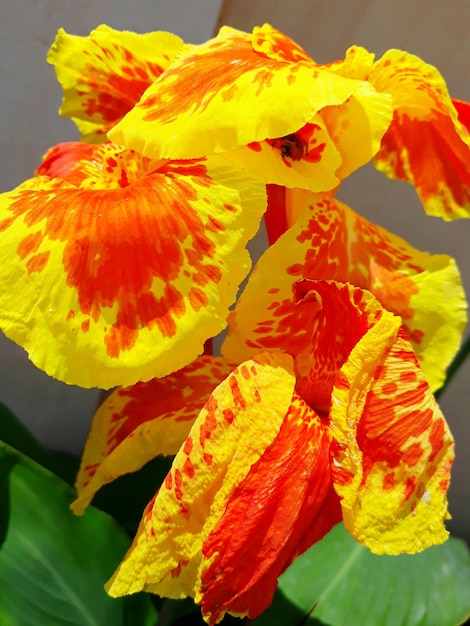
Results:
<point x="462" y="354"/>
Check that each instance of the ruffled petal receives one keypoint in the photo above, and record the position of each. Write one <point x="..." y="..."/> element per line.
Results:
<point x="225" y="94"/>
<point x="276" y="512"/>
<point x="357" y="127"/>
<point x="329" y="241"/>
<point x="426" y="144"/>
<point x="334" y="317"/>
<point x="124" y="277"/>
<point x="393" y="450"/>
<point x="104" y="74"/>
<point x="136" y="424"/>
<point x="238" y="423"/>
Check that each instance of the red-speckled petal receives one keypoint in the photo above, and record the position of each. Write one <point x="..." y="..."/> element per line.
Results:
<point x="285" y="504"/>
<point x="393" y="450"/>
<point x="225" y="94"/>
<point x="120" y="271"/>
<point x="135" y="424"/>
<point x="329" y="241"/>
<point x="237" y="425"/>
<point x="275" y="45"/>
<point x="104" y="74"/>
<point x="426" y="144"/>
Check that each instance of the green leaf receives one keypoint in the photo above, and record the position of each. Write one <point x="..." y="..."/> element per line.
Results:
<point x="339" y="582"/>
<point x="53" y="565"/>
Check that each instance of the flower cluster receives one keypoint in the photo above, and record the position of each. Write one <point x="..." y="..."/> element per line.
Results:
<point x="123" y="256"/>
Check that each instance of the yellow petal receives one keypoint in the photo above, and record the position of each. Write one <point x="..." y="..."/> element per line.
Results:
<point x="104" y="74"/>
<point x="393" y="449"/>
<point x="237" y="424"/>
<point x="357" y="127"/>
<point x="426" y="144"/>
<point x="122" y="278"/>
<point x="226" y="94"/>
<point x="330" y="241"/>
<point x="284" y="505"/>
<point x="136" y="424"/>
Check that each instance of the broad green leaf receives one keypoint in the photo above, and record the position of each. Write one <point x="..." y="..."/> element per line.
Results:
<point x="53" y="565"/>
<point x="338" y="582"/>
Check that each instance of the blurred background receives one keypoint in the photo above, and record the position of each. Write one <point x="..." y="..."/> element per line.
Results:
<point x="58" y="414"/>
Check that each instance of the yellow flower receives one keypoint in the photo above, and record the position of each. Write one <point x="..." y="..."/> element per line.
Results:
<point x="328" y="240"/>
<point x="322" y="122"/>
<point x="264" y="103"/>
<point x="115" y="268"/>
<point x="341" y="425"/>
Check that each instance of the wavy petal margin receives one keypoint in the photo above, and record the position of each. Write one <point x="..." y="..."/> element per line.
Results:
<point x="426" y="144"/>
<point x="104" y="74"/>
<point x="226" y="93"/>
<point x="284" y="505"/>
<point x="330" y="241"/>
<point x="123" y="278"/>
<point x="138" y="423"/>
<point x="240" y="420"/>
<point x="393" y="450"/>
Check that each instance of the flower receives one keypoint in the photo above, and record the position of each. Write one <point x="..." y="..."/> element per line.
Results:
<point x="263" y="102"/>
<point x="328" y="240"/>
<point x="119" y="259"/>
<point x="285" y="447"/>
<point x="238" y="89"/>
<point x="115" y="268"/>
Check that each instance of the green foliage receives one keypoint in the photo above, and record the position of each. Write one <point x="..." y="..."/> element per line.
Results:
<point x="53" y="565"/>
<point x="338" y="582"/>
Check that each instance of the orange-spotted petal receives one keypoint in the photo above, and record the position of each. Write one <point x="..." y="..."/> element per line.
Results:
<point x="278" y="46"/>
<point x="239" y="422"/>
<point x="284" y="505"/>
<point x="329" y="241"/>
<point x="229" y="92"/>
<point x="426" y="144"/>
<point x="122" y="278"/>
<point x="393" y="451"/>
<point x="104" y="74"/>
<point x="135" y="424"/>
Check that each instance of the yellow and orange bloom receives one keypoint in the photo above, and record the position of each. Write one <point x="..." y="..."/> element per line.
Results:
<point x="263" y="102"/>
<point x="123" y="256"/>
<point x="104" y="74"/>
<point x="287" y="446"/>
<point x="116" y="268"/>
<point x="328" y="240"/>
